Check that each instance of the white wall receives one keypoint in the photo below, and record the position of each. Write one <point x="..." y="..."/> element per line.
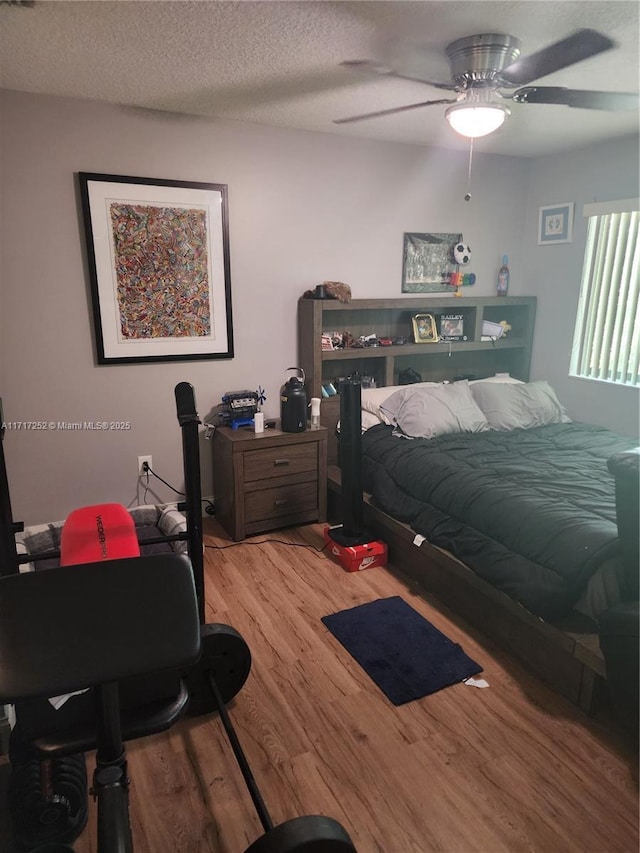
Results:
<point x="599" y="173"/>
<point x="303" y="208"/>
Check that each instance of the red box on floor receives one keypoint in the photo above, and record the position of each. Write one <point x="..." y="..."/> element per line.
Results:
<point x="356" y="558"/>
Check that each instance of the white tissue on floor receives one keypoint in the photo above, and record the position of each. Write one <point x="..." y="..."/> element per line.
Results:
<point x="476" y="682"/>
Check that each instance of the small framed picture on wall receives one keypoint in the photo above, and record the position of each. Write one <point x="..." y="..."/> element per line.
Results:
<point x="555" y="224"/>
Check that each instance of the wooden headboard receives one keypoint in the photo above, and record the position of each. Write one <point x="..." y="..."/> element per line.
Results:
<point x="471" y="355"/>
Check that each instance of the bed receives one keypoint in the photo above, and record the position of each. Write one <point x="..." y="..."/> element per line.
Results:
<point x="515" y="505"/>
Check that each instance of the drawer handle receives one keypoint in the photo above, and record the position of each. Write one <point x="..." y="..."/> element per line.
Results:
<point x="281" y="502"/>
<point x="281" y="462"/>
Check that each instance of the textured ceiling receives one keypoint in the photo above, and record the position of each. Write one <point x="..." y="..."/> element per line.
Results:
<point x="278" y="63"/>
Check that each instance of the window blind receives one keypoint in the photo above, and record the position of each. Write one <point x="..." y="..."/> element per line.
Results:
<point x="606" y="343"/>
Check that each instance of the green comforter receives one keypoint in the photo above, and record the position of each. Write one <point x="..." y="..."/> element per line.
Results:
<point x="531" y="511"/>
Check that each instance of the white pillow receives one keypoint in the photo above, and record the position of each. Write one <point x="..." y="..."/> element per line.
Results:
<point x="499" y="377"/>
<point x="372" y="398"/>
<point x="368" y="420"/>
<point x="427" y="411"/>
<point x="519" y="406"/>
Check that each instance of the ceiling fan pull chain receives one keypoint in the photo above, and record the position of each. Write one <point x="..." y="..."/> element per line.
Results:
<point x="467" y="196"/>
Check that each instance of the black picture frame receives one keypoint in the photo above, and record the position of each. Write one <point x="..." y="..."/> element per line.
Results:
<point x="159" y="268"/>
<point x="451" y="327"/>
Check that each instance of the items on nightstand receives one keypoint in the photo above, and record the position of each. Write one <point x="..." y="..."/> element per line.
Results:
<point x="293" y="403"/>
<point x="315" y="412"/>
<point x="239" y="408"/>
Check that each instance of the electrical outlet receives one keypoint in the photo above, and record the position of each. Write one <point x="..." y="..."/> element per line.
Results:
<point x="141" y="461"/>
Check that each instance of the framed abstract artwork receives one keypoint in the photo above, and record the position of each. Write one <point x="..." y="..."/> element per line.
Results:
<point x="555" y="224"/>
<point x="158" y="255"/>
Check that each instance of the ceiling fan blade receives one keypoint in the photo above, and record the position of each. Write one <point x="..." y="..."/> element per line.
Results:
<point x="580" y="45"/>
<point x="581" y="98"/>
<point x="393" y="110"/>
<point x="385" y="71"/>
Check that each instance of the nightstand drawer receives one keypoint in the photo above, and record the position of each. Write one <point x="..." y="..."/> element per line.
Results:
<point x="287" y="499"/>
<point x="270" y="480"/>
<point x="280" y="461"/>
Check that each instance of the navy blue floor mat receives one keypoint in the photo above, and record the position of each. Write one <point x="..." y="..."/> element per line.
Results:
<point x="404" y="654"/>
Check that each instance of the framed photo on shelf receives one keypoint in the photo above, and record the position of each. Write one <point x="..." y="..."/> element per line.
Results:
<point x="555" y="224"/>
<point x="158" y="255"/>
<point x="451" y="327"/>
<point x="424" y="329"/>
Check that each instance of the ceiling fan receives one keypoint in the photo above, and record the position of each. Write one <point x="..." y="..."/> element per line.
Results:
<point x="482" y="67"/>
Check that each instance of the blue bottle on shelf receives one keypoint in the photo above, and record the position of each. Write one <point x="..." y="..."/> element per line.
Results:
<point x="503" y="277"/>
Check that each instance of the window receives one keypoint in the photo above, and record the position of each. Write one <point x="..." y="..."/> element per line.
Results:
<point x="606" y="340"/>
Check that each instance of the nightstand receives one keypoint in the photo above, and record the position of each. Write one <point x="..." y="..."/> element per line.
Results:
<point x="268" y="480"/>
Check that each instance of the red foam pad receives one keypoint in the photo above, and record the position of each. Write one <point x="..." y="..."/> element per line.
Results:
<point x="94" y="533"/>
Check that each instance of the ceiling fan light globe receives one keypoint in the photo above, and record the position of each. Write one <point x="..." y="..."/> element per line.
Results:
<point x="474" y="121"/>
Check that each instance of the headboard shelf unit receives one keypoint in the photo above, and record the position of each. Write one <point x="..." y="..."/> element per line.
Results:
<point x="391" y="318"/>
<point x="418" y="349"/>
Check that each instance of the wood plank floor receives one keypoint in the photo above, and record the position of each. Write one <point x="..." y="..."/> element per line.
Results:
<point x="510" y="768"/>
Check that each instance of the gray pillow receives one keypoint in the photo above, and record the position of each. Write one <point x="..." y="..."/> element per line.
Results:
<point x="428" y="411"/>
<point x="373" y="398"/>
<point x="522" y="406"/>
